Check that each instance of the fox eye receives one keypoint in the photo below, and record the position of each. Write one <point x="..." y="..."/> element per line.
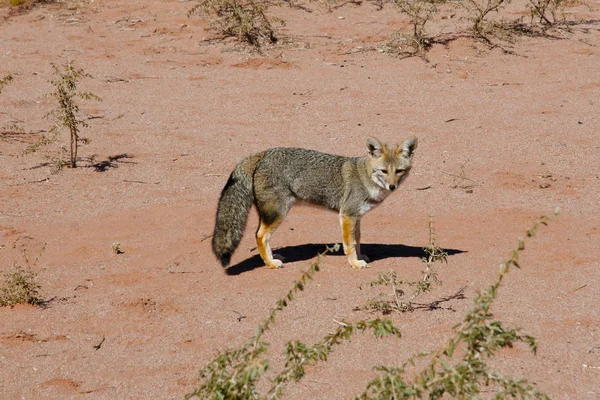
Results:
<point x="399" y="171"/>
<point x="385" y="171"/>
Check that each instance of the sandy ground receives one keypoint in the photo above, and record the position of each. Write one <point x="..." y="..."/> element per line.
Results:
<point x="176" y="115"/>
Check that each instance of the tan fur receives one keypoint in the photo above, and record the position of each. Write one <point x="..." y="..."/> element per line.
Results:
<point x="274" y="179"/>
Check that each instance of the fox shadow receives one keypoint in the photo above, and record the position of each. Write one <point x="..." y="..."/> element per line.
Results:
<point x="310" y="250"/>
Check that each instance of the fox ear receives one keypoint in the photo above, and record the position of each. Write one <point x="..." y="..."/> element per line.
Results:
<point x="374" y="147"/>
<point x="408" y="147"/>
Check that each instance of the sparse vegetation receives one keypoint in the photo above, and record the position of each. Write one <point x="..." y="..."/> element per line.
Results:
<point x="479" y="11"/>
<point x="21" y="6"/>
<point x="235" y="374"/>
<point x="66" y="115"/>
<point x="245" y="20"/>
<point x="461" y="180"/>
<point x="547" y="13"/>
<point x="116" y="248"/>
<point x="16" y="3"/>
<point x="5" y="81"/>
<point x="433" y="254"/>
<point x="460" y="369"/>
<point x="27" y="3"/>
<point x="20" y="287"/>
<point x="396" y="299"/>
<point x="420" y="13"/>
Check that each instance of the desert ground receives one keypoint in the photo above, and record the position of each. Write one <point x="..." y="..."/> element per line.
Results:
<point x="507" y="132"/>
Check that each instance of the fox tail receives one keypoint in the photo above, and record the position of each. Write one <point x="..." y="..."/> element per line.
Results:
<point x="234" y="204"/>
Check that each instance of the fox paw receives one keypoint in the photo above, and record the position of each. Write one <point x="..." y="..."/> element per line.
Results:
<point x="364" y="258"/>
<point x="274" y="264"/>
<point x="358" y="264"/>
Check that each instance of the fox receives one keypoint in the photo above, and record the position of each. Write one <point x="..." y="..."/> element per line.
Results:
<point x="274" y="179"/>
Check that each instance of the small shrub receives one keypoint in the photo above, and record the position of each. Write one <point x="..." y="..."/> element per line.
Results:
<point x="22" y="6"/>
<point x="547" y="13"/>
<point x="5" y="81"/>
<point x="396" y="299"/>
<point x="20" y="288"/>
<point x="116" y="248"/>
<point x="479" y="11"/>
<point x="433" y="254"/>
<point x="66" y="115"/>
<point x="420" y="13"/>
<point x="245" y="20"/>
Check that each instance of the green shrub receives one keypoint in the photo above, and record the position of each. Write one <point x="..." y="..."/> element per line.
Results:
<point x="20" y="287"/>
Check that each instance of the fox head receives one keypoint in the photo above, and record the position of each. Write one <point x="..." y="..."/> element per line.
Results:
<point x="390" y="166"/>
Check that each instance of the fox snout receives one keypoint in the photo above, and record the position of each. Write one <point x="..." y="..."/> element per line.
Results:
<point x="387" y="181"/>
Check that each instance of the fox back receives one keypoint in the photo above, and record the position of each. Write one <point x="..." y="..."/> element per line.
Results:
<point x="302" y="174"/>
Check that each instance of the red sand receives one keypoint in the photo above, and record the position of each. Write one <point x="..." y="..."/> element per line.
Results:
<point x="176" y="116"/>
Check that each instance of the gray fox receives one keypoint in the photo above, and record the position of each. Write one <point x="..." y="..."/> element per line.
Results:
<point x="274" y="179"/>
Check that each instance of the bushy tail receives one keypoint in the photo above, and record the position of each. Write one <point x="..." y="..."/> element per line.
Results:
<point x="232" y="213"/>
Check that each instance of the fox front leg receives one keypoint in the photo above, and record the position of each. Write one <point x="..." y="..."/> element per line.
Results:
<point x="357" y="238"/>
<point x="349" y="225"/>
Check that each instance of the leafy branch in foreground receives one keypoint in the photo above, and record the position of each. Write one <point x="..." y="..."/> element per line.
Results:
<point x="478" y="338"/>
<point x="298" y="355"/>
<point x="235" y="374"/>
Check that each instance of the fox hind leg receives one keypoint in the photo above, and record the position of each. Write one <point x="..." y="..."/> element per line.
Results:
<point x="263" y="237"/>
<point x="271" y="212"/>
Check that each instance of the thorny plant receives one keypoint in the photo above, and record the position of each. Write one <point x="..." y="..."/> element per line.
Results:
<point x="396" y="300"/>
<point x="235" y="374"/>
<point x="245" y="20"/>
<point x="66" y="115"/>
<point x="459" y="369"/>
